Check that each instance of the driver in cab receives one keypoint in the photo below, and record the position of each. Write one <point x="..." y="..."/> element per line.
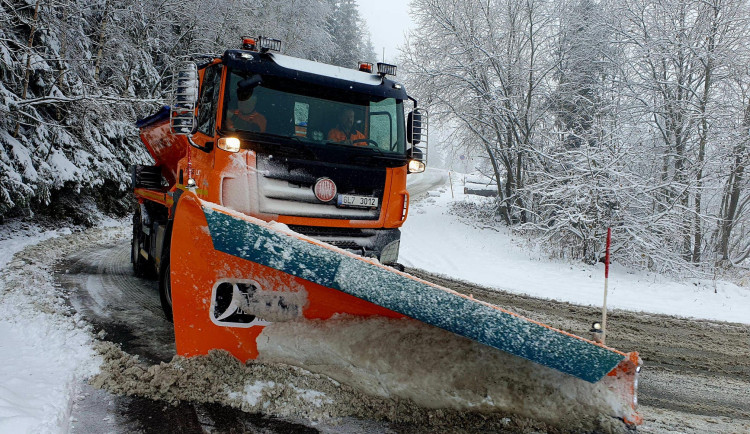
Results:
<point x="245" y="118"/>
<point x="344" y="131"/>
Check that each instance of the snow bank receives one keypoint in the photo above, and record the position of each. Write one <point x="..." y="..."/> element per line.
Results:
<point x="45" y="349"/>
<point x="406" y="359"/>
<point x="399" y="371"/>
<point x="20" y="237"/>
<point x="282" y="390"/>
<point x="437" y="241"/>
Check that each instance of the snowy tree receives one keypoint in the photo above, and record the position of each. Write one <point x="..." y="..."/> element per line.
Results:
<point x="732" y="235"/>
<point x="77" y="73"/>
<point x="485" y="64"/>
<point x="626" y="114"/>
<point x="584" y="65"/>
<point x="304" y="34"/>
<point x="679" y="55"/>
<point x="349" y="35"/>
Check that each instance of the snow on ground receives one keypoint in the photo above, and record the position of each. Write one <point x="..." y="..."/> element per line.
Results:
<point x="21" y="237"/>
<point x="439" y="242"/>
<point x="45" y="350"/>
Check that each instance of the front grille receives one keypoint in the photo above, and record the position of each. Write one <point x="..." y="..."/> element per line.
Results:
<point x="355" y="240"/>
<point x="285" y="187"/>
<point x="366" y="242"/>
<point x="318" y="231"/>
<point x="347" y="245"/>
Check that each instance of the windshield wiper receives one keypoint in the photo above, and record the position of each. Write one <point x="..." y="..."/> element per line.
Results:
<point x="271" y="143"/>
<point x="370" y="149"/>
<point x="258" y="136"/>
<point x="362" y="152"/>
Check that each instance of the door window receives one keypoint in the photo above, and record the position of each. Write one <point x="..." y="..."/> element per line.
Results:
<point x="208" y="99"/>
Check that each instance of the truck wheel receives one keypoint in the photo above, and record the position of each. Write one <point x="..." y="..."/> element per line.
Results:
<point x="165" y="289"/>
<point x="397" y="266"/>
<point x="140" y="264"/>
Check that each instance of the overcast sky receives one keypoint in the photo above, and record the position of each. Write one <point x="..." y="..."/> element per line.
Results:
<point x="388" y="21"/>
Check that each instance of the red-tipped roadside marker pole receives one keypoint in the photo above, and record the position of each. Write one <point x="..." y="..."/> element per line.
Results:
<point x="606" y="282"/>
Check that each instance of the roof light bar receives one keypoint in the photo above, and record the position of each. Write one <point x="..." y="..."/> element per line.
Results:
<point x="267" y="44"/>
<point x="386" y="69"/>
<point x="261" y="43"/>
<point x="365" y="67"/>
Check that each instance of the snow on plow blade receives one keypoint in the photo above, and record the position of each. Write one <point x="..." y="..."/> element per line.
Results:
<point x="232" y="275"/>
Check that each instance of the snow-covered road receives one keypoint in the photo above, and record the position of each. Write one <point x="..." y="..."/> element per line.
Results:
<point x="421" y="183"/>
<point x="694" y="371"/>
<point x="695" y="378"/>
<point x="126" y="310"/>
<point x="686" y="362"/>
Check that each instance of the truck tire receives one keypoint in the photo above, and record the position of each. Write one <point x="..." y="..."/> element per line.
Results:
<point x="397" y="266"/>
<point x="140" y="264"/>
<point x="165" y="287"/>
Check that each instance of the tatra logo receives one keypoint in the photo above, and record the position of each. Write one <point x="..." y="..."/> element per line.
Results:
<point x="325" y="189"/>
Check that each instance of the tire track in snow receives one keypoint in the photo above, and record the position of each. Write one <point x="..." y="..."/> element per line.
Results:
<point x="115" y="301"/>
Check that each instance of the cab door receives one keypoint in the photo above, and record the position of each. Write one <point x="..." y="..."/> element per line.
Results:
<point x="205" y="136"/>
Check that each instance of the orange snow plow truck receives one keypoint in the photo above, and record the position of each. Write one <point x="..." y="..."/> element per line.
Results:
<point x="277" y="194"/>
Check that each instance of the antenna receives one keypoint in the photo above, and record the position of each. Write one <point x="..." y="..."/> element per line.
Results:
<point x="383" y="54"/>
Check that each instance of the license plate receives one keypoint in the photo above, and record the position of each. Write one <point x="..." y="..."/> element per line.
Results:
<point x="350" y="200"/>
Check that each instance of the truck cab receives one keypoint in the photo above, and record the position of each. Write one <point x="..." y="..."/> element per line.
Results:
<point x="323" y="149"/>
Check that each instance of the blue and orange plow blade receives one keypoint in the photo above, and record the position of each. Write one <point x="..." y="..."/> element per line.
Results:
<point x="226" y="265"/>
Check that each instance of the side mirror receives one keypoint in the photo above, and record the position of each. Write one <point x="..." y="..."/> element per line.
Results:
<point x="416" y="134"/>
<point x="184" y="99"/>
<point x="414" y="126"/>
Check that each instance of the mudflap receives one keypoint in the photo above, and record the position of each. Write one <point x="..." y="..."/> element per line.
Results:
<point x="232" y="275"/>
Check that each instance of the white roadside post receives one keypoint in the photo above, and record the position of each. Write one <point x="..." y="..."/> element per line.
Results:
<point x="450" y="181"/>
<point x="606" y="282"/>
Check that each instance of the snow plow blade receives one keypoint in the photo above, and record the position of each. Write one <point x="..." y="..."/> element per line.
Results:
<point x="233" y="275"/>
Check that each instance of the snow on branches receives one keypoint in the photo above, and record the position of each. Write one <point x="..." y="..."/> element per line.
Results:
<point x="623" y="114"/>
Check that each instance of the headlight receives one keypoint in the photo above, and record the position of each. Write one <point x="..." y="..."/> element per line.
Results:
<point x="229" y="144"/>
<point x="416" y="166"/>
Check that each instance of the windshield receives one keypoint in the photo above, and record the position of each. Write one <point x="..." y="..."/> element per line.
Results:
<point x="288" y="109"/>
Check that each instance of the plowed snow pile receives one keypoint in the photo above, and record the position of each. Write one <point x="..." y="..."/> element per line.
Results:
<point x="393" y="370"/>
<point x="398" y="371"/>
